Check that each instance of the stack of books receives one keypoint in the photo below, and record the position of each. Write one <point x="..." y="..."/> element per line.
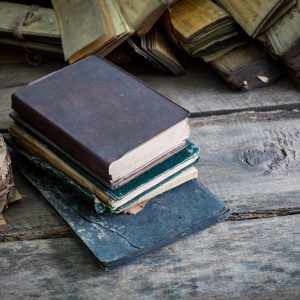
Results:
<point x="256" y="17"/>
<point x="111" y="136"/>
<point x="200" y="27"/>
<point x="104" y="24"/>
<point x="122" y="148"/>
<point x="32" y="30"/>
<point x="234" y="37"/>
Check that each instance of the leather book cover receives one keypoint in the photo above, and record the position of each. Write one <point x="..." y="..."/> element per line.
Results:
<point x="95" y="111"/>
<point x="247" y="67"/>
<point x="114" y="240"/>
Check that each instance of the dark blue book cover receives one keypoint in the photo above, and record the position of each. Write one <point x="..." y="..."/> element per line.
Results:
<point x="116" y="239"/>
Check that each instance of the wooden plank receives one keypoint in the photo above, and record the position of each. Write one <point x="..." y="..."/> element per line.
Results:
<point x="200" y="91"/>
<point x="251" y="160"/>
<point x="242" y="162"/>
<point x="203" y="92"/>
<point x="31" y="217"/>
<point x="233" y="260"/>
<point x="12" y="75"/>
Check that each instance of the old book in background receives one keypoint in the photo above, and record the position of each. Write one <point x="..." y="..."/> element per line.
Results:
<point x="30" y="23"/>
<point x="29" y="33"/>
<point x="99" y="24"/>
<point x="280" y="37"/>
<point x="155" y="47"/>
<point x="247" y="67"/>
<point x="116" y="239"/>
<point x="33" y="53"/>
<point x="142" y="15"/>
<point x="282" y="40"/>
<point x="256" y="16"/>
<point x="230" y="45"/>
<point x="199" y="27"/>
<point x="102" y="25"/>
<point x="106" y="119"/>
<point x="171" y="172"/>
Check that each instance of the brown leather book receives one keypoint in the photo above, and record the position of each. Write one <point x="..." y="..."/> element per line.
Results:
<point x="106" y="119"/>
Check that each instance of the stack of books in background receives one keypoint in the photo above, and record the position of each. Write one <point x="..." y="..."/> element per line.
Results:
<point x="246" y="42"/>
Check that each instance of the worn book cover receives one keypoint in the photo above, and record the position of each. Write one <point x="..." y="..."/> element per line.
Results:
<point x="25" y="22"/>
<point x="199" y="25"/>
<point x="156" y="48"/>
<point x="280" y="37"/>
<point x="247" y="67"/>
<point x="156" y="180"/>
<point x="103" y="25"/>
<point x="256" y="16"/>
<point x="116" y="239"/>
<point x="101" y="116"/>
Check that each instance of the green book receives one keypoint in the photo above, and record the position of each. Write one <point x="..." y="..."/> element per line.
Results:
<point x="169" y="173"/>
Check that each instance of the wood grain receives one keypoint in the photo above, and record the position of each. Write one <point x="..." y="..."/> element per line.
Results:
<point x="242" y="161"/>
<point x="201" y="91"/>
<point x="251" y="160"/>
<point x="233" y="260"/>
<point x="31" y="217"/>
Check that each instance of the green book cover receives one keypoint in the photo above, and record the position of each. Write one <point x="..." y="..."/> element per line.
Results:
<point x="171" y="163"/>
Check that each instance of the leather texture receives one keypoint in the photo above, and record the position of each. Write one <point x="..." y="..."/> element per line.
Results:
<point x="116" y="239"/>
<point x="95" y="111"/>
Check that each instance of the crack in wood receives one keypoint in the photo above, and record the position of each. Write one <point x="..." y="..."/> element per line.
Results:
<point x="271" y="108"/>
<point x="66" y="232"/>
<point x="249" y="215"/>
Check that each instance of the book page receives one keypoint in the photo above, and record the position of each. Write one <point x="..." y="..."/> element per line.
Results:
<point x="190" y="16"/>
<point x="251" y="15"/>
<point x="78" y="19"/>
<point x="136" y="11"/>
<point x="286" y="31"/>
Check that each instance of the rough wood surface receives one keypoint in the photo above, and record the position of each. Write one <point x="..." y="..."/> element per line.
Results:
<point x="233" y="260"/>
<point x="251" y="160"/>
<point x="31" y="217"/>
<point x="201" y="90"/>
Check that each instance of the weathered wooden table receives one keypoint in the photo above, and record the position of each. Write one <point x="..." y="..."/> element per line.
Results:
<point x="250" y="146"/>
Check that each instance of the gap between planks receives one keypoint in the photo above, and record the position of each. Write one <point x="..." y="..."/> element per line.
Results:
<point x="63" y="232"/>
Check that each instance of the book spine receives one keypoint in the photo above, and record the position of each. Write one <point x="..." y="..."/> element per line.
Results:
<point x="61" y="138"/>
